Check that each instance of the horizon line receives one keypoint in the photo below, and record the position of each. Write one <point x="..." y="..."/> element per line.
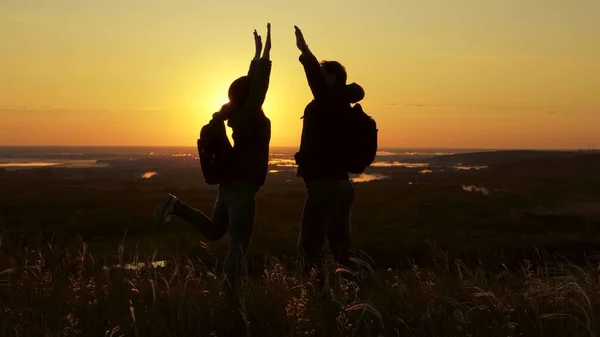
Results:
<point x="296" y="146"/>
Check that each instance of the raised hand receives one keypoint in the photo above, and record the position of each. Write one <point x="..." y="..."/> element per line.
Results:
<point x="257" y="44"/>
<point x="267" y="51"/>
<point x="300" y="42"/>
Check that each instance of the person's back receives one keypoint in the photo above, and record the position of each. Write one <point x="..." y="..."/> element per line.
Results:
<point x="319" y="156"/>
<point x="321" y="162"/>
<point x="250" y="157"/>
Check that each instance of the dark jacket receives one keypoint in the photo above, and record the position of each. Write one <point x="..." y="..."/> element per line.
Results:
<point x="252" y="129"/>
<point x="319" y="155"/>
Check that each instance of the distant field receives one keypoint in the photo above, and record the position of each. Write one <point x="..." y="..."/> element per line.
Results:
<point x="507" y="249"/>
<point x="468" y="212"/>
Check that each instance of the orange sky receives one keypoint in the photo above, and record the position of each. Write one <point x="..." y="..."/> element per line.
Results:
<point x="465" y="73"/>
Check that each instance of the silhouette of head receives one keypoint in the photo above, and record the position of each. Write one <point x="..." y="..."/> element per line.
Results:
<point x="238" y="91"/>
<point x="335" y="73"/>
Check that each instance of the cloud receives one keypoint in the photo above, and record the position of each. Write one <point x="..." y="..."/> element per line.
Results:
<point x="405" y="105"/>
<point x="50" y="109"/>
<point x="425" y="106"/>
<point x="534" y="108"/>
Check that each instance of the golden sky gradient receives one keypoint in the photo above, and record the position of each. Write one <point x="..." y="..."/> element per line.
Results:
<point x="437" y="73"/>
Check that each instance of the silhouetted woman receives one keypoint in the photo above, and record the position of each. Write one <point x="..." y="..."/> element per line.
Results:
<point x="234" y="209"/>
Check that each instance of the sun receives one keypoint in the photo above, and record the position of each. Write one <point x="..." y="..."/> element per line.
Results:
<point x="216" y="98"/>
<point x="218" y="103"/>
<point x="211" y="101"/>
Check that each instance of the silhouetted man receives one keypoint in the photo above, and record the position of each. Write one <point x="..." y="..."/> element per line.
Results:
<point x="246" y="172"/>
<point x="330" y="193"/>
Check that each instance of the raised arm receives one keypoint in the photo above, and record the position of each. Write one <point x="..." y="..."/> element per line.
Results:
<point x="260" y="76"/>
<point x="258" y="49"/>
<point x="312" y="68"/>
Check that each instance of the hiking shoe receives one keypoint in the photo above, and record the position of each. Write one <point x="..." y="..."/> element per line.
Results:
<point x="162" y="213"/>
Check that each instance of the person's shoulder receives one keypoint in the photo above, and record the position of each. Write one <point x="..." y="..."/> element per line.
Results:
<point x="265" y="120"/>
<point x="313" y="104"/>
<point x="309" y="108"/>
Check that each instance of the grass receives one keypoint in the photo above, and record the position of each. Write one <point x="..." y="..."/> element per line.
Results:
<point x="55" y="290"/>
<point x="63" y="231"/>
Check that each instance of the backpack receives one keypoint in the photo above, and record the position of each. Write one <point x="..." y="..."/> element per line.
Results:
<point x="360" y="143"/>
<point x="214" y="150"/>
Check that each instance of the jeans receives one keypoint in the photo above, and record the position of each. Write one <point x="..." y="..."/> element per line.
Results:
<point x="234" y="211"/>
<point x="326" y="214"/>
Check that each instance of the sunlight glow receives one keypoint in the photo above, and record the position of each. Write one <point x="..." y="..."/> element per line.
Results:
<point x="466" y="79"/>
<point x="211" y="101"/>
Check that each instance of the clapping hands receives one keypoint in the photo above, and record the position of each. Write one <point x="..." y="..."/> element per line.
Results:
<point x="258" y="44"/>
<point x="300" y="42"/>
<point x="266" y="53"/>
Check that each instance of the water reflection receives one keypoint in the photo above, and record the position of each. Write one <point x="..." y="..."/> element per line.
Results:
<point x="469" y="167"/>
<point x="398" y="164"/>
<point x="386" y="153"/>
<point x="365" y="177"/>
<point x="22" y="163"/>
<point x="413" y="153"/>
<point x="273" y="171"/>
<point x="32" y="164"/>
<point x="141" y="265"/>
<point x="283" y="162"/>
<point x="475" y="189"/>
<point x="428" y="154"/>
<point x="425" y="171"/>
<point x="177" y="154"/>
<point x="149" y="175"/>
